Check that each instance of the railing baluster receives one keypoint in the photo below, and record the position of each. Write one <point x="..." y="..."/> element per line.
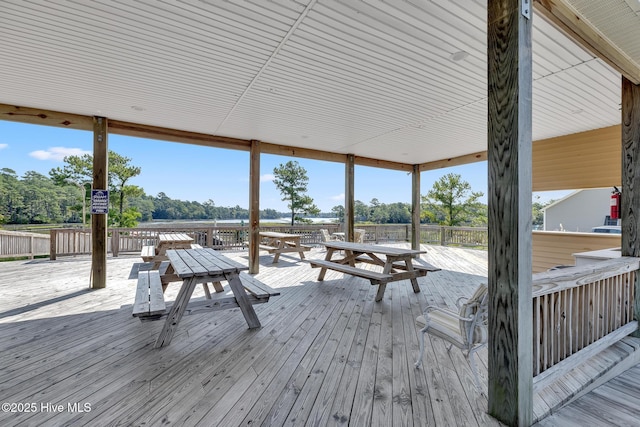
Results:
<point x="572" y="312"/>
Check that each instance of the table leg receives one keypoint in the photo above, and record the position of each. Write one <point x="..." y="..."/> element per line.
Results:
<point x="218" y="287"/>
<point x="414" y="280"/>
<point x="243" y="301"/>
<point x="323" y="270"/>
<point x="207" y="292"/>
<point x="351" y="257"/>
<point x="276" y="255"/>
<point x="380" y="293"/>
<point x="176" y="313"/>
<point x="388" y="266"/>
<point x="299" y="245"/>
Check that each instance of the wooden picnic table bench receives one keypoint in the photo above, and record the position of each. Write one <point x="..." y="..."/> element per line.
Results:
<point x="375" y="277"/>
<point x="279" y="243"/>
<point x="194" y="266"/>
<point x="149" y="300"/>
<point x="397" y="263"/>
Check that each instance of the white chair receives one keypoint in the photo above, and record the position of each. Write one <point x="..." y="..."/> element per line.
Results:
<point x="358" y="235"/>
<point x="466" y="329"/>
<point x="326" y="237"/>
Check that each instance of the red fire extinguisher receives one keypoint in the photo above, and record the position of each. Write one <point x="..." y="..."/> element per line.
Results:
<point x="615" y="203"/>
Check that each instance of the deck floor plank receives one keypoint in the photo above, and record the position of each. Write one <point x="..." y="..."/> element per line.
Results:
<point x="232" y="361"/>
<point x="327" y="353"/>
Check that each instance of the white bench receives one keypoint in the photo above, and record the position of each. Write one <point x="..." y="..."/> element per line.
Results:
<point x="149" y="300"/>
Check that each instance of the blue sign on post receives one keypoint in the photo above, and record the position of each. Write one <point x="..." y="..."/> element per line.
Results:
<point x="99" y="201"/>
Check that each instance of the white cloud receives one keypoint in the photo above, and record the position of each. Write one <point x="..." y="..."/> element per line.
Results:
<point x="3" y="146"/>
<point x="267" y="177"/>
<point x="57" y="153"/>
<point x="338" y="198"/>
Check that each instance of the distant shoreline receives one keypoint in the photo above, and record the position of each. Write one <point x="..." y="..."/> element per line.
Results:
<point x="285" y="221"/>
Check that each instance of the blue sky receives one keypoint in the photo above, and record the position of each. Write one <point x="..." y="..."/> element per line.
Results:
<point x="190" y="172"/>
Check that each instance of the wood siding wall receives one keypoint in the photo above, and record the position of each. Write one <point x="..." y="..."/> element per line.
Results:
<point x="552" y="248"/>
<point x="590" y="159"/>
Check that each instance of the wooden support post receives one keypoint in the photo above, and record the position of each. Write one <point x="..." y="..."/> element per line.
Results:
<point x="630" y="198"/>
<point x="53" y="243"/>
<point x="99" y="221"/>
<point x="115" y="242"/>
<point x="509" y="154"/>
<point x="209" y="238"/>
<point x="349" y="214"/>
<point x="415" y="208"/>
<point x="254" y="208"/>
<point x="31" y="248"/>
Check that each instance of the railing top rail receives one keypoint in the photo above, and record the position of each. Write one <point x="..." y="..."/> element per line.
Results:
<point x="557" y="280"/>
<point x="447" y="227"/>
<point x="575" y="233"/>
<point x="23" y="233"/>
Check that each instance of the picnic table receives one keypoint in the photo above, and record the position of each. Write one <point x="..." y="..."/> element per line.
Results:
<point x="194" y="266"/>
<point x="279" y="243"/>
<point x="397" y="263"/>
<point x="166" y="241"/>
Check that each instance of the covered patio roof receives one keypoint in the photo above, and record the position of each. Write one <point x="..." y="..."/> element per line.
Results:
<point x="399" y="82"/>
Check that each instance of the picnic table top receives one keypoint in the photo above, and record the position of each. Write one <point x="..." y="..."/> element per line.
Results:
<point x="279" y="235"/>
<point x="174" y="238"/>
<point x="378" y="249"/>
<point x="202" y="262"/>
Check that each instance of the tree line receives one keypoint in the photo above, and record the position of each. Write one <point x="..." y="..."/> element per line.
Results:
<point x="37" y="199"/>
<point x="64" y="197"/>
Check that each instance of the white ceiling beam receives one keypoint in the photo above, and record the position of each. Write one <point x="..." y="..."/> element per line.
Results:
<point x="565" y="17"/>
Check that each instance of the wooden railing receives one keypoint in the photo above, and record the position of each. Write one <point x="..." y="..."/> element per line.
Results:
<point x="579" y="310"/>
<point x="70" y="241"/>
<point x="227" y="238"/>
<point x="16" y="244"/>
<point x="477" y="237"/>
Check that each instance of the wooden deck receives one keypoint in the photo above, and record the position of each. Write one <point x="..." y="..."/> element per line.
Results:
<point x="327" y="353"/>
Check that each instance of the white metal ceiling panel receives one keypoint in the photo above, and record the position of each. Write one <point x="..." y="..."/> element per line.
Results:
<point x="374" y="78"/>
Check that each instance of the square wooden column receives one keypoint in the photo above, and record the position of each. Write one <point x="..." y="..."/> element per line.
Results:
<point x="510" y="249"/>
<point x="349" y="197"/>
<point x="254" y="208"/>
<point x="630" y="198"/>
<point x="99" y="221"/>
<point x="415" y="207"/>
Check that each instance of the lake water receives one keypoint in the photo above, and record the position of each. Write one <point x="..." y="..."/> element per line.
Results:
<point x="235" y="221"/>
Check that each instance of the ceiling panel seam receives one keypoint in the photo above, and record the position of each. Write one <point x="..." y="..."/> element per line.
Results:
<point x="262" y="69"/>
